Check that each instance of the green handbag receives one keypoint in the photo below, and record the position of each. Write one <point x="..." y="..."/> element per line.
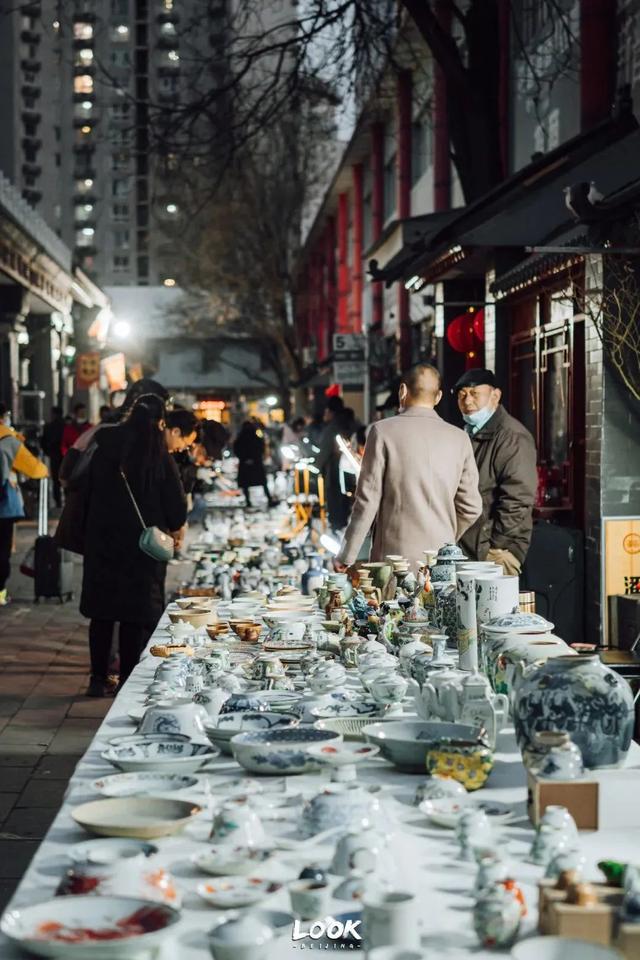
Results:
<point x="153" y="541"/>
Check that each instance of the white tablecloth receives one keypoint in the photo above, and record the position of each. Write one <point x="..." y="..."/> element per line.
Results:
<point x="424" y="858"/>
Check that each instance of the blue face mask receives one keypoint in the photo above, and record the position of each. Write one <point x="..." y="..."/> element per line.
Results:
<point x="478" y="418"/>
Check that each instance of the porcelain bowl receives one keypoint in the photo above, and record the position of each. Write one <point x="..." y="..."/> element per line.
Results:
<point x="347" y="806"/>
<point x="35" y="928"/>
<point x="229" y="724"/>
<point x="406" y="743"/>
<point x="166" y="756"/>
<point x="279" y="751"/>
<point x="142" y="818"/>
<point x="197" y="618"/>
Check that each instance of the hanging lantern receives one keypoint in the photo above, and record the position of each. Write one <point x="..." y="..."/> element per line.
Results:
<point x="460" y="334"/>
<point x="478" y="325"/>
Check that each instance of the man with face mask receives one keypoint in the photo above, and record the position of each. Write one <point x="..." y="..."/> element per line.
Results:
<point x="506" y="457"/>
<point x="418" y="483"/>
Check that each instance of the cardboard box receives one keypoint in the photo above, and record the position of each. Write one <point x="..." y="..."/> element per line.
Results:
<point x="597" y="924"/>
<point x="604" y="798"/>
<point x="580" y="797"/>
<point x="628" y="941"/>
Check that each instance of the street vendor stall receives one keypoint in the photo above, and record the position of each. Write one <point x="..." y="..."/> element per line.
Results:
<point x="289" y="770"/>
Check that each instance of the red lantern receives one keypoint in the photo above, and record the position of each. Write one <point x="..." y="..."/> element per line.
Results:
<point x="478" y="325"/>
<point x="460" y="333"/>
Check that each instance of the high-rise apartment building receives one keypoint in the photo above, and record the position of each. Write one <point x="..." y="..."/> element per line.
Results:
<point x="89" y="86"/>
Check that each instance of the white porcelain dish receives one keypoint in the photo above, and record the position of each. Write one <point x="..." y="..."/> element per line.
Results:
<point x="161" y="756"/>
<point x="234" y="891"/>
<point x="226" y="860"/>
<point x="39" y="929"/>
<point x="143" y="818"/>
<point x="134" y="784"/>
<point x="109" y="850"/>
<point x="562" y="948"/>
<point x="279" y="751"/>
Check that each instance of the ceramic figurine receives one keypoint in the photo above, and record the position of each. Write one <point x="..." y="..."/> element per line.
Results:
<point x="583" y="696"/>
<point x="498" y="913"/>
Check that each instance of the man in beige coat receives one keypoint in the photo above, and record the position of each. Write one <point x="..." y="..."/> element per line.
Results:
<point x="418" y="482"/>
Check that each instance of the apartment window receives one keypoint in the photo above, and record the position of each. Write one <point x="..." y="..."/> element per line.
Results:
<point x="83" y="31"/>
<point x="120" y="33"/>
<point x="83" y="83"/>
<point x="168" y="84"/>
<point x="84" y="212"/>
<point x="120" y="160"/>
<point x="119" y="137"/>
<point x="390" y="187"/>
<point x="120" y="263"/>
<point x="121" y="238"/>
<point x="143" y="266"/>
<point x="120" y="211"/>
<point x="120" y="188"/>
<point x="84" y="57"/>
<point x="421" y="149"/>
<point x="120" y="58"/>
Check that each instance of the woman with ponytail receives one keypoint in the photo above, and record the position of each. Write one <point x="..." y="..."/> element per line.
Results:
<point x="121" y="584"/>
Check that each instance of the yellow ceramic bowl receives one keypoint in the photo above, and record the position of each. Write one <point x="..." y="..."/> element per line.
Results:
<point x="468" y="763"/>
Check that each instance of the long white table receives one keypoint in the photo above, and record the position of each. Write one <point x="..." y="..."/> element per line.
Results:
<point x="423" y="858"/>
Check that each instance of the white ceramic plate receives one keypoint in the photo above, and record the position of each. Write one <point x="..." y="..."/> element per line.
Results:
<point x="133" y="784"/>
<point x="232" y="892"/>
<point x="38" y="929"/>
<point x="237" y="787"/>
<point x="110" y="850"/>
<point x="230" y="861"/>
<point x="141" y="817"/>
<point x="446" y="811"/>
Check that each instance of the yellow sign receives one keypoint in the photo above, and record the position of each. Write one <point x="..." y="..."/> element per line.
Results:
<point x="87" y="370"/>
<point x="621" y="560"/>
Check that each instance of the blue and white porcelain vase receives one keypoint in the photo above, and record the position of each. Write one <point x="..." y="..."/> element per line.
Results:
<point x="582" y="697"/>
<point x="314" y="576"/>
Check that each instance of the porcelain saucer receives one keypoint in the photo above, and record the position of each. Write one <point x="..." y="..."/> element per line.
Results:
<point x="232" y="892"/>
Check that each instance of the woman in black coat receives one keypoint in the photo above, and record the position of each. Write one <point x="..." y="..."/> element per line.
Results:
<point x="121" y="584"/>
<point x="249" y="449"/>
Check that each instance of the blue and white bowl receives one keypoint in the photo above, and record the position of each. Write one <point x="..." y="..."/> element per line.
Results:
<point x="349" y="708"/>
<point x="169" y="756"/>
<point x="230" y="724"/>
<point x="243" y="703"/>
<point x="280" y="751"/>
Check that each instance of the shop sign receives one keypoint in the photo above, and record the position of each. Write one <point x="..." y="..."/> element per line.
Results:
<point x="349" y="358"/>
<point x="621" y="558"/>
<point x="115" y="370"/>
<point x="87" y="370"/>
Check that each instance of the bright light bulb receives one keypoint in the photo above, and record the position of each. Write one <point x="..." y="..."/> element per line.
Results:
<point x="86" y="104"/>
<point x="169" y="282"/>
<point x="122" y="29"/>
<point x="271" y="400"/>
<point x="88" y="183"/>
<point x="88" y="231"/>
<point x="172" y="208"/>
<point x="173" y="55"/>
<point x="122" y="329"/>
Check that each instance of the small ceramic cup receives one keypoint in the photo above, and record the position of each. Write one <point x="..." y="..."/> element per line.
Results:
<point x="310" y="898"/>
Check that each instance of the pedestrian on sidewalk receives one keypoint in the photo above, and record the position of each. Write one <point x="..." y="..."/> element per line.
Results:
<point x="51" y="442"/>
<point x="249" y="448"/>
<point x="121" y="584"/>
<point x="72" y="431"/>
<point x="418" y="484"/>
<point x="15" y="458"/>
<point x="505" y="453"/>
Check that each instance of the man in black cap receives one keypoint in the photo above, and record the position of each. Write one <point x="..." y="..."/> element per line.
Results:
<point x="505" y="453"/>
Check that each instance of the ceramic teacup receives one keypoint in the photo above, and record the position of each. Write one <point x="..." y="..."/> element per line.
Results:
<point x="310" y="898"/>
<point x="391" y="919"/>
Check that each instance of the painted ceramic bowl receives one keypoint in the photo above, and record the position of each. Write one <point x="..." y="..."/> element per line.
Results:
<point x="226" y="860"/>
<point x="406" y="743"/>
<point x="229" y="724"/>
<point x="347" y="806"/>
<point x="244" y="703"/>
<point x="517" y="623"/>
<point x="279" y="751"/>
<point x="62" y="927"/>
<point x="166" y="756"/>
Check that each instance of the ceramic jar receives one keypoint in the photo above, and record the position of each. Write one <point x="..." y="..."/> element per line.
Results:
<point x="314" y="576"/>
<point x="583" y="697"/>
<point x="389" y="691"/>
<point x="348" y="806"/>
<point x="498" y="913"/>
<point x="444" y="568"/>
<point x="473" y="831"/>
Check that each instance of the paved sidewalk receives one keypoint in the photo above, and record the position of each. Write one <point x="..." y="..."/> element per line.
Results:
<point x="46" y="722"/>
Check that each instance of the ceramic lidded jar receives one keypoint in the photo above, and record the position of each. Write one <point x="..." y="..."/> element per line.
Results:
<point x="444" y="568"/>
<point x="582" y="697"/>
<point x="498" y="913"/>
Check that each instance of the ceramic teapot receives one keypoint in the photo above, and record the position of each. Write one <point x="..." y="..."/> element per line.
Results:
<point x="481" y="707"/>
<point x="441" y="695"/>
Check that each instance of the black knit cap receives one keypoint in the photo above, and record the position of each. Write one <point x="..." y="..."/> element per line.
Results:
<point x="476" y="377"/>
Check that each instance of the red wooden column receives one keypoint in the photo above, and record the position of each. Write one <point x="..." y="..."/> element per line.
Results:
<point x="356" y="270"/>
<point x="403" y="170"/>
<point x="377" y="208"/>
<point x="441" y="149"/>
<point x="597" y="60"/>
<point x="344" y="279"/>
<point x="330" y="247"/>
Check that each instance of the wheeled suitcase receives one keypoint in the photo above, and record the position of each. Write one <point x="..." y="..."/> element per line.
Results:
<point x="53" y="567"/>
<point x="554" y="569"/>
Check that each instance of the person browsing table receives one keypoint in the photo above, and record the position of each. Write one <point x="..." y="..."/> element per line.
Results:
<point x="418" y="483"/>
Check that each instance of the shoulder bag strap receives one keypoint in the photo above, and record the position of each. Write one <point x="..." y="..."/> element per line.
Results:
<point x="133" y="500"/>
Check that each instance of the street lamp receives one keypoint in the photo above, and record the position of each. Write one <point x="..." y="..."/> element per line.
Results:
<point x="271" y="400"/>
<point x="122" y="329"/>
